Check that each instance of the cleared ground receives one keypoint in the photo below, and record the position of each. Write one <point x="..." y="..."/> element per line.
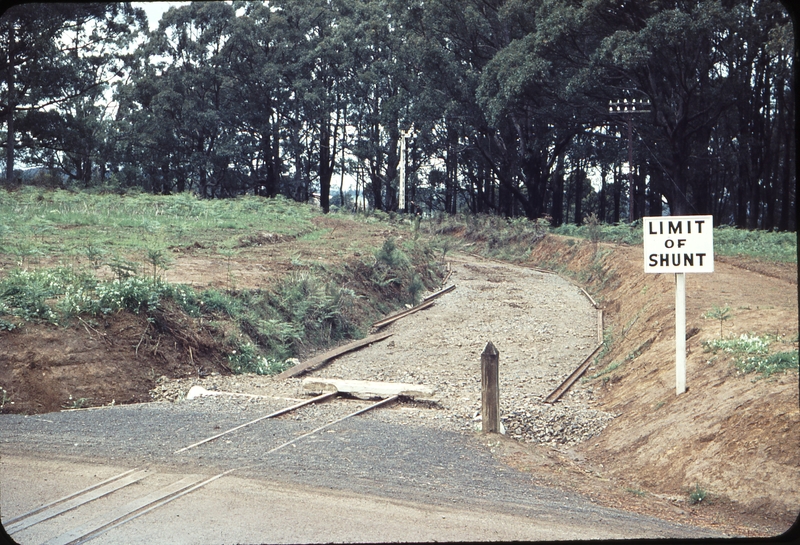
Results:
<point x="734" y="435"/>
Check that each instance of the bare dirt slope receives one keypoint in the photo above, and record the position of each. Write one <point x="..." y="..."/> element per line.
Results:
<point x="113" y="360"/>
<point x="736" y="436"/>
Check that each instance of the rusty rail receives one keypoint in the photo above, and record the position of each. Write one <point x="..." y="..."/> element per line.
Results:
<point x="576" y="374"/>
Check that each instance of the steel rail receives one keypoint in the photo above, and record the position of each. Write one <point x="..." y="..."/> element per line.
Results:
<point x="161" y="497"/>
<point x="56" y="509"/>
<point x="107" y="520"/>
<point x="570" y="380"/>
<point x="153" y="505"/>
<point x="271" y="415"/>
<point x="328" y="425"/>
<point x="65" y="498"/>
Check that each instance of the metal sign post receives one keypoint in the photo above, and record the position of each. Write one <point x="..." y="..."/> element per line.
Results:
<point x="679" y="244"/>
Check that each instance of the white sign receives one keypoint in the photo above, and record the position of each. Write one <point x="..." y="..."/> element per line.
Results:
<point x="678" y="244"/>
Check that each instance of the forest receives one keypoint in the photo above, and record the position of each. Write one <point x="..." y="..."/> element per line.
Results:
<point x="554" y="109"/>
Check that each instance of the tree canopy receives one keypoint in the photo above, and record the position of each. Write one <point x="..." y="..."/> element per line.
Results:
<point x="503" y="105"/>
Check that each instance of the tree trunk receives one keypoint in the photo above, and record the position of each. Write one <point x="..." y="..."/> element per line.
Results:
<point x="12" y="106"/>
<point x="578" y="184"/>
<point x="325" y="170"/>
<point x="602" y="196"/>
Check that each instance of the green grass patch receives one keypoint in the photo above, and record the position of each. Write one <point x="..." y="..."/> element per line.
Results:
<point x="752" y="354"/>
<point x="728" y="241"/>
<point x="61" y="223"/>
<point x="697" y="495"/>
<point x="764" y="245"/>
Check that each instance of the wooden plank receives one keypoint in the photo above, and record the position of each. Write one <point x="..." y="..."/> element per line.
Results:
<point x="600" y="326"/>
<point x="403" y="314"/>
<point x="322" y="359"/>
<point x="368" y="389"/>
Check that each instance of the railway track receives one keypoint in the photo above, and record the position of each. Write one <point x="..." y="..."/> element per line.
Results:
<point x="92" y="511"/>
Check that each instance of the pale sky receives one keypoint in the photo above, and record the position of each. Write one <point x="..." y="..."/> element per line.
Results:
<point x="155" y="10"/>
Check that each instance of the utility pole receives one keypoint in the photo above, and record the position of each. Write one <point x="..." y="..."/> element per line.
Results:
<point x="628" y="108"/>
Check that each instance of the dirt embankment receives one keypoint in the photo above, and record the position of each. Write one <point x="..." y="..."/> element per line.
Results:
<point x="114" y="359"/>
<point x="735" y="436"/>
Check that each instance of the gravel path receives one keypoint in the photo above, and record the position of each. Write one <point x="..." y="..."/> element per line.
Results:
<point x="542" y="325"/>
<point x="361" y="455"/>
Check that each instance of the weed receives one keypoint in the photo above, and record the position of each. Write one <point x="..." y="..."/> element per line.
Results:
<point x="6" y="399"/>
<point x="721" y="314"/>
<point x="78" y="403"/>
<point x="697" y="495"/>
<point x="636" y="492"/>
<point x="415" y="288"/>
<point x="228" y="253"/>
<point x="158" y="260"/>
<point x="751" y="354"/>
<point x="744" y="344"/>
<point x="593" y="228"/>
<point x="609" y="368"/>
<point x="95" y="256"/>
<point x="122" y="268"/>
<point x="390" y="255"/>
<point x="769" y="365"/>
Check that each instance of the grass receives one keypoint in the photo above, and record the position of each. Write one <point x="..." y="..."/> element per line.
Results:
<point x="512" y="239"/>
<point x="62" y="224"/>
<point x="636" y="491"/>
<point x="302" y="311"/>
<point x="728" y="241"/>
<point x="131" y="236"/>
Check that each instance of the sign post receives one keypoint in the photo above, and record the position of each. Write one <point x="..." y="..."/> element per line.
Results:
<point x="679" y="244"/>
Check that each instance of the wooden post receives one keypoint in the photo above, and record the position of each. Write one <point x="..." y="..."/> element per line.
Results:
<point x="490" y="389"/>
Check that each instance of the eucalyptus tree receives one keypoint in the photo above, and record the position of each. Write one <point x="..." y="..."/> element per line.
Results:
<point x="263" y="60"/>
<point x="707" y="69"/>
<point x="180" y="100"/>
<point x="56" y="59"/>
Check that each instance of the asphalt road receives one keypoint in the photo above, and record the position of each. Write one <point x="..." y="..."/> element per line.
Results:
<point x="362" y="480"/>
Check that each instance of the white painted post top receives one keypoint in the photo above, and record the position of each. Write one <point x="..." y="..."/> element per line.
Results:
<point x="678" y="244"/>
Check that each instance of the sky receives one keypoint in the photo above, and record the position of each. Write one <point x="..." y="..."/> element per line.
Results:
<point x="155" y="10"/>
